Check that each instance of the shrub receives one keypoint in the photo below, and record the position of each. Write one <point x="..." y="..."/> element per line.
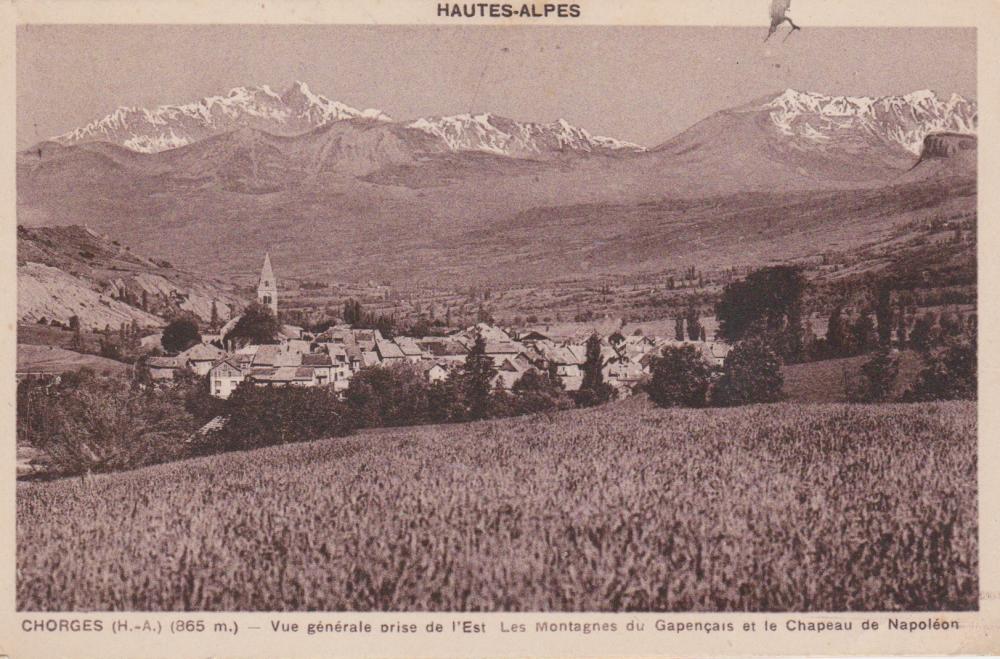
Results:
<point x="751" y="374"/>
<point x="680" y="377"/>
<point x="91" y="424"/>
<point x="878" y="378"/>
<point x="264" y="416"/>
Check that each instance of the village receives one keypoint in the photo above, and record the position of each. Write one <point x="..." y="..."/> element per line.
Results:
<point x="334" y="356"/>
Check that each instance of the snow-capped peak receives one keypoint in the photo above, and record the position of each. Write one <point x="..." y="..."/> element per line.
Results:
<point x="904" y="120"/>
<point x="169" y="126"/>
<point x="493" y="134"/>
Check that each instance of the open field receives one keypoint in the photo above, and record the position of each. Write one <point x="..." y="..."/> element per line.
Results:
<point x="823" y="381"/>
<point x="49" y="359"/>
<point x="624" y="507"/>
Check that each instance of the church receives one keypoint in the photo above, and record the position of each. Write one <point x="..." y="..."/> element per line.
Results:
<point x="267" y="287"/>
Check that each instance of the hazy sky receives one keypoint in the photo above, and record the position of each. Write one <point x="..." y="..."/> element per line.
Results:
<point x="640" y="84"/>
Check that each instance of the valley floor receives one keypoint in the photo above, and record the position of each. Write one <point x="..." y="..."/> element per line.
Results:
<point x="788" y="507"/>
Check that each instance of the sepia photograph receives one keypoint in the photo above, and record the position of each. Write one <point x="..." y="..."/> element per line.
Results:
<point x="497" y="318"/>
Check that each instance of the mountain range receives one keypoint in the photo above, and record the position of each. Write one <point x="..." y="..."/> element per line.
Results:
<point x="332" y="190"/>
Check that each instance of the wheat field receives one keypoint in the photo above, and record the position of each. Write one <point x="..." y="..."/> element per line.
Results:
<point x="619" y="508"/>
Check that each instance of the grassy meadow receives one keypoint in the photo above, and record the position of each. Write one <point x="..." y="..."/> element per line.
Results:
<point x="788" y="507"/>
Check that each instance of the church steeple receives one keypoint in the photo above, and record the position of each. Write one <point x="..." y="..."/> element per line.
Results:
<point x="267" y="288"/>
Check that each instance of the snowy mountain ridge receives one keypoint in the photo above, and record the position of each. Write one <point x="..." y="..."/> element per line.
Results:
<point x="170" y="126"/>
<point x="905" y="120"/>
<point x="490" y="133"/>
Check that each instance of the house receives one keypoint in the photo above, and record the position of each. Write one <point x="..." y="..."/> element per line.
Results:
<point x="388" y="352"/>
<point x="163" y="368"/>
<point x="370" y="358"/>
<point x="266" y="355"/>
<point x="366" y="339"/>
<point x="509" y="371"/>
<point x="223" y="378"/>
<point x="322" y="366"/>
<point x="566" y="363"/>
<point x="355" y="358"/>
<point x="201" y="357"/>
<point x="435" y="371"/>
<point x="500" y="349"/>
<point x="622" y="373"/>
<point x="532" y="336"/>
<point x="442" y="350"/>
<point x="411" y="351"/>
<point x="715" y="352"/>
<point x="299" y="346"/>
<point x="284" y="375"/>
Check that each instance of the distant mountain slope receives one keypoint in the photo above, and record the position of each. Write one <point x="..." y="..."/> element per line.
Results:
<point x="363" y="198"/>
<point x="827" y="139"/>
<point x="74" y="271"/>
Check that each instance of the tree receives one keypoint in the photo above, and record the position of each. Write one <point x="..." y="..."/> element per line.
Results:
<point x="444" y="401"/>
<point x="768" y="302"/>
<point x="680" y="378"/>
<point x="836" y="333"/>
<point x="951" y="324"/>
<point x="878" y="378"/>
<point x="353" y="313"/>
<point x="750" y="374"/>
<point x="693" y="323"/>
<point x="110" y="349"/>
<point x="863" y="332"/>
<point x="477" y="374"/>
<point x="948" y="374"/>
<point x="921" y="337"/>
<point x="901" y="335"/>
<point x="883" y="314"/>
<point x="501" y="403"/>
<point x="76" y="342"/>
<point x="679" y="328"/>
<point x="256" y="326"/>
<point x="180" y="335"/>
<point x="396" y="395"/>
<point x="214" y="318"/>
<point x="537" y="391"/>
<point x="594" y="390"/>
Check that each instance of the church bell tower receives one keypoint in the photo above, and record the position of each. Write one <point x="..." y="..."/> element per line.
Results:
<point x="267" y="288"/>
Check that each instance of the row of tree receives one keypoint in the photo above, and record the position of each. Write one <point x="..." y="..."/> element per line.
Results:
<point x="680" y="377"/>
<point x="768" y="304"/>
